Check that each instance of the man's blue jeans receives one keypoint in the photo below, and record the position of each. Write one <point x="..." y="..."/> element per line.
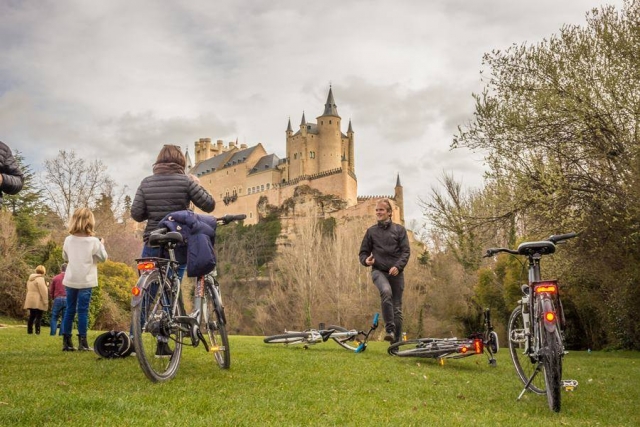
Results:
<point x="77" y="301"/>
<point x="58" y="309"/>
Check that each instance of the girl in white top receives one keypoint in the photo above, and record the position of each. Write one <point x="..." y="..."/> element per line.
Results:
<point x="83" y="252"/>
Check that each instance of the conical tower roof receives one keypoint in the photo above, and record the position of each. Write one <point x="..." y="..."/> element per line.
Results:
<point x="330" y="108"/>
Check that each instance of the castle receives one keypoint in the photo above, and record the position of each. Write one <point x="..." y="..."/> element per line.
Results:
<point x="318" y="155"/>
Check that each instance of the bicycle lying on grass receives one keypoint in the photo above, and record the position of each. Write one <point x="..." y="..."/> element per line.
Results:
<point x="536" y="338"/>
<point x="160" y="324"/>
<point x="451" y="348"/>
<point x="350" y="339"/>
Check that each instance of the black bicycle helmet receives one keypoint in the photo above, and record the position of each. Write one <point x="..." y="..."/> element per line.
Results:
<point x="113" y="344"/>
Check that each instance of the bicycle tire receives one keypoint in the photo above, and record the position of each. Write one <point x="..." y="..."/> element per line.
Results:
<point x="524" y="364"/>
<point x="552" y="362"/>
<point x="289" y="338"/>
<point x="151" y="321"/>
<point x="424" y="347"/>
<point x="350" y="343"/>
<point x="214" y="323"/>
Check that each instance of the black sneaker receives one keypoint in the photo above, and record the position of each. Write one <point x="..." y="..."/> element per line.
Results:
<point x="163" y="350"/>
<point x="390" y="336"/>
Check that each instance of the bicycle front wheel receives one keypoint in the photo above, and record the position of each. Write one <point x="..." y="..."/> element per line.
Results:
<point x="214" y="323"/>
<point x="519" y="350"/>
<point x="156" y="339"/>
<point x="289" y="338"/>
<point x="344" y="337"/>
<point x="552" y="361"/>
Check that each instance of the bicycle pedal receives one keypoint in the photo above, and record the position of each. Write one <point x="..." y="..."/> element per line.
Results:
<point x="569" y="385"/>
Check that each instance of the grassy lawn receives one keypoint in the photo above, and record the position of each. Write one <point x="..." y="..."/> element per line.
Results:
<point x="324" y="385"/>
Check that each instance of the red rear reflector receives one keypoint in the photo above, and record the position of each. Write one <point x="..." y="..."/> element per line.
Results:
<point x="550" y="316"/>
<point x="146" y="266"/>
<point x="135" y="291"/>
<point x="546" y="287"/>
<point x="477" y="345"/>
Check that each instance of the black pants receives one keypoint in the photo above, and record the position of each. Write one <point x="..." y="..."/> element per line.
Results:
<point x="391" y="289"/>
<point x="35" y="317"/>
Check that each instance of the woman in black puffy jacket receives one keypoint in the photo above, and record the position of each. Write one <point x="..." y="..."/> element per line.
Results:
<point x="169" y="189"/>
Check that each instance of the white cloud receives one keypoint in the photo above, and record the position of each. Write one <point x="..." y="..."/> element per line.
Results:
<point x="115" y="80"/>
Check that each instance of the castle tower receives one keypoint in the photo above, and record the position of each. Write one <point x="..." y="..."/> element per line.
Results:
<point x="399" y="198"/>
<point x="330" y="137"/>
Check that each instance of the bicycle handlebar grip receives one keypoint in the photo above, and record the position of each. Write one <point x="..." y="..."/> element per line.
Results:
<point x="230" y="218"/>
<point x="490" y="253"/>
<point x="561" y="237"/>
<point x="375" y="320"/>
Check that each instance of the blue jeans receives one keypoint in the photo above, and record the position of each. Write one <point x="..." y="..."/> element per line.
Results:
<point x="58" y="309"/>
<point x="77" y="300"/>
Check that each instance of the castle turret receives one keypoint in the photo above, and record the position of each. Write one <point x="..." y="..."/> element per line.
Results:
<point x="351" y="151"/>
<point x="399" y="198"/>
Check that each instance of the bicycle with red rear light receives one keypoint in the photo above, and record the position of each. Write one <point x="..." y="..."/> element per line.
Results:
<point x="160" y="324"/>
<point x="536" y="325"/>
<point x="485" y="342"/>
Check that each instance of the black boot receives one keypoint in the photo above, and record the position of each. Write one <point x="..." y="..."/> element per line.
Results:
<point x="82" y="339"/>
<point x="37" y="329"/>
<point x="67" y="345"/>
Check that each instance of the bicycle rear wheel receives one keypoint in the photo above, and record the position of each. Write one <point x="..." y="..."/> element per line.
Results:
<point x="156" y="339"/>
<point x="552" y="362"/>
<point x="423" y="347"/>
<point x="524" y="364"/>
<point x="289" y="338"/>
<point x="214" y="323"/>
<point x="346" y="339"/>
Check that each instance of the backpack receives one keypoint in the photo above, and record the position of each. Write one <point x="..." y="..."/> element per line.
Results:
<point x="113" y="344"/>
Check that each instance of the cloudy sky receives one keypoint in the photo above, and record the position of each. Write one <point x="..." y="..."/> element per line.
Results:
<point x="115" y="80"/>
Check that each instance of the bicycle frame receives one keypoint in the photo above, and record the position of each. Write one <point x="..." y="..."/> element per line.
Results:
<point x="536" y="325"/>
<point x="159" y="318"/>
<point x="485" y="342"/>
<point x="345" y="338"/>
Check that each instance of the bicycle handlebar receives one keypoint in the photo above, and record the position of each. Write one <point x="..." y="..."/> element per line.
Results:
<point x="560" y="237"/>
<point x="553" y="239"/>
<point x="230" y="218"/>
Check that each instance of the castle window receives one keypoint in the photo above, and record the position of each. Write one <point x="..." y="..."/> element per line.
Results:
<point x="267" y="186"/>
<point x="262" y="187"/>
<point x="329" y="121"/>
<point x="295" y="156"/>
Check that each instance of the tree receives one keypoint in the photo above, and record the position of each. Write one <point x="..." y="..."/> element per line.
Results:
<point x="70" y="182"/>
<point x="559" y="125"/>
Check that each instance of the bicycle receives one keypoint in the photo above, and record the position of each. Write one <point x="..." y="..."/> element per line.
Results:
<point x="535" y="331"/>
<point x="345" y="338"/>
<point x="485" y="342"/>
<point x="159" y="321"/>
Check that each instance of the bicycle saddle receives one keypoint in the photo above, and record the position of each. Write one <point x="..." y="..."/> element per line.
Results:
<point x="544" y="247"/>
<point x="156" y="240"/>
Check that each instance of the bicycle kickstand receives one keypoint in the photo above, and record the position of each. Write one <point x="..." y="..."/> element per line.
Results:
<point x="526" y="386"/>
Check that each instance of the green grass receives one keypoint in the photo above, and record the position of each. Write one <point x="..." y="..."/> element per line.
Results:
<point x="324" y="385"/>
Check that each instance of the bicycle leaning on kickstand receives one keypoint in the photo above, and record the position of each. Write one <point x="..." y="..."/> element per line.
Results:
<point x="485" y="342"/>
<point x="351" y="339"/>
<point x="159" y="321"/>
<point x="535" y="332"/>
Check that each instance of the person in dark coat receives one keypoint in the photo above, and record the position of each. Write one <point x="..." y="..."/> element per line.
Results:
<point x="385" y="248"/>
<point x="11" y="177"/>
<point x="168" y="190"/>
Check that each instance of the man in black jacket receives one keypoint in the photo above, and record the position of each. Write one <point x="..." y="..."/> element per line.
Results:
<point x="385" y="247"/>
<point x="11" y="178"/>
